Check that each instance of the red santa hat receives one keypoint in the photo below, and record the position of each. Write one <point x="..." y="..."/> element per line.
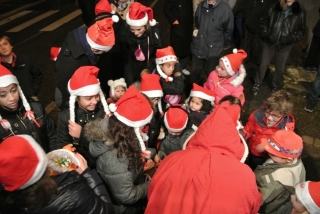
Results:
<point x="175" y="119"/>
<point x="150" y="86"/>
<point x="134" y="110"/>
<point x="139" y="15"/>
<point x="115" y="83"/>
<point x="308" y="194"/>
<point x="284" y="144"/>
<point x="103" y="6"/>
<point x="201" y="92"/>
<point x="164" y="55"/>
<point x="6" y="79"/>
<point x="84" y="82"/>
<point x="100" y="35"/>
<point x="233" y="61"/>
<point x="54" y="52"/>
<point x="22" y="161"/>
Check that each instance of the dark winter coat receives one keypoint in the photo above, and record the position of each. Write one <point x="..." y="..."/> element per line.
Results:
<point x="181" y="34"/>
<point x="255" y="10"/>
<point x="45" y="135"/>
<point x="239" y="9"/>
<point x="129" y="44"/>
<point x="81" y="117"/>
<point x="70" y="58"/>
<point x="280" y="29"/>
<point x="176" y="86"/>
<point x="154" y="129"/>
<point x="79" y="194"/>
<point x="128" y="190"/>
<point x="28" y="74"/>
<point x="215" y="26"/>
<point x="316" y="29"/>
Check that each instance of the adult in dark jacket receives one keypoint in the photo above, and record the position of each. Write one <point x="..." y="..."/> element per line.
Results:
<point x="180" y="17"/>
<point x="118" y="146"/>
<point x="74" y="192"/>
<point x="238" y="13"/>
<point x="139" y="42"/>
<point x="87" y="102"/>
<point x="81" y="47"/>
<point x="254" y="12"/>
<point x="214" y="25"/>
<point x="23" y="67"/>
<point x="17" y="116"/>
<point x="284" y="26"/>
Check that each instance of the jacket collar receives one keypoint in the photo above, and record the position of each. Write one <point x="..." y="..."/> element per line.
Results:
<point x="205" y="4"/>
<point x="296" y="8"/>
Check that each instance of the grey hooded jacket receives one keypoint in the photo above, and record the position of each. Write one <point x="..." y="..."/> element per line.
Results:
<point x="128" y="190"/>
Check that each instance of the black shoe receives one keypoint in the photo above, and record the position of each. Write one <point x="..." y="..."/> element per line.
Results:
<point x="274" y="89"/>
<point x="255" y="88"/>
<point x="307" y="69"/>
<point x="310" y="106"/>
<point x="314" y="70"/>
<point x="308" y="109"/>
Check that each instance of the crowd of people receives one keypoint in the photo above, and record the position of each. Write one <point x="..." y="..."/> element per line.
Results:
<point x="136" y="136"/>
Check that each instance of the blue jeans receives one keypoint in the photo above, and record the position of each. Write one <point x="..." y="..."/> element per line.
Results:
<point x="238" y="34"/>
<point x="315" y="93"/>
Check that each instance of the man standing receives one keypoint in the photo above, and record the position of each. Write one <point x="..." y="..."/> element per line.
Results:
<point x="214" y="25"/>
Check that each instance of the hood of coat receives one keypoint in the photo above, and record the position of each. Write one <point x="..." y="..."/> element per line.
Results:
<point x="239" y="77"/>
<point x="218" y="133"/>
<point x="98" y="134"/>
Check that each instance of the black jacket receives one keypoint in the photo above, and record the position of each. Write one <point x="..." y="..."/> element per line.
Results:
<point x="45" y="135"/>
<point x="79" y="194"/>
<point x="280" y="29"/>
<point x="180" y="34"/>
<point x="316" y="29"/>
<point x="81" y="117"/>
<point x="70" y="58"/>
<point x="28" y="74"/>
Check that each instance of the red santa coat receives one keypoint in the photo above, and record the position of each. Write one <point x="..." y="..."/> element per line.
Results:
<point x="223" y="87"/>
<point x="207" y="177"/>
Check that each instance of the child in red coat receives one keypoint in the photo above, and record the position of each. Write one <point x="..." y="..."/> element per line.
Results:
<point x="274" y="115"/>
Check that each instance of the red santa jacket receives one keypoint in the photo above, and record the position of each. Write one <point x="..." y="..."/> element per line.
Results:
<point x="256" y="128"/>
<point x="208" y="176"/>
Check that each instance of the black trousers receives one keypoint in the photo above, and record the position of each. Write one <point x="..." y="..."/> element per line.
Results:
<point x="199" y="64"/>
<point x="311" y="60"/>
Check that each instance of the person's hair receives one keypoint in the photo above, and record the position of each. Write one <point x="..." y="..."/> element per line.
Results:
<point x="32" y="197"/>
<point x="5" y="37"/>
<point x="232" y="100"/>
<point x="146" y="26"/>
<point x="126" y="142"/>
<point x="279" y="101"/>
<point x="206" y="105"/>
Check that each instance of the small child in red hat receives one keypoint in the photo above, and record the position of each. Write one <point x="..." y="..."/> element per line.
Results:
<point x="228" y="76"/>
<point x="278" y="176"/>
<point x="177" y="131"/>
<point x="199" y="105"/>
<point x="171" y="79"/>
<point x="117" y="89"/>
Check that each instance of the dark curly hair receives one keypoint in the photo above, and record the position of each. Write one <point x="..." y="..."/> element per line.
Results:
<point x="32" y="197"/>
<point x="206" y="105"/>
<point x="126" y="141"/>
<point x="232" y="100"/>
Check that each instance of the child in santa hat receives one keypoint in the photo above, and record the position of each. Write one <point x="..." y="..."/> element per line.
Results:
<point x="176" y="130"/>
<point x="18" y="116"/>
<point x="275" y="114"/>
<point x="117" y="89"/>
<point x="86" y="103"/>
<point x="228" y="76"/>
<point x="278" y="176"/>
<point x="82" y="47"/>
<point x="306" y="198"/>
<point x="139" y="41"/>
<point x="25" y="175"/>
<point x="150" y="86"/>
<point x="119" y="147"/>
<point x="199" y="105"/>
<point x="171" y="79"/>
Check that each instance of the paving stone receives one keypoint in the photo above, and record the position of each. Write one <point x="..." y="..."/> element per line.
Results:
<point x="316" y="143"/>
<point x="308" y="139"/>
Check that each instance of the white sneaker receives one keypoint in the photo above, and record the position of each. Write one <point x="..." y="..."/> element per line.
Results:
<point x="186" y="72"/>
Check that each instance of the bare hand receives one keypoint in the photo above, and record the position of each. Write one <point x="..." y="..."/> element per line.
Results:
<point x="260" y="148"/>
<point x="74" y="129"/>
<point x="176" y="22"/>
<point x="83" y="163"/>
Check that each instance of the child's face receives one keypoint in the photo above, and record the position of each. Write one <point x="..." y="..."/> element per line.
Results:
<point x="154" y="101"/>
<point x="9" y="97"/>
<point x="272" y="117"/>
<point x="119" y="91"/>
<point x="196" y="104"/>
<point x="175" y="134"/>
<point x="297" y="205"/>
<point x="5" y="47"/>
<point x="279" y="160"/>
<point x="88" y="102"/>
<point x="221" y="70"/>
<point x="168" y="68"/>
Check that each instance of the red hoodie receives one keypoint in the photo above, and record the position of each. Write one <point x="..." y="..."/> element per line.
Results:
<point x="207" y="177"/>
